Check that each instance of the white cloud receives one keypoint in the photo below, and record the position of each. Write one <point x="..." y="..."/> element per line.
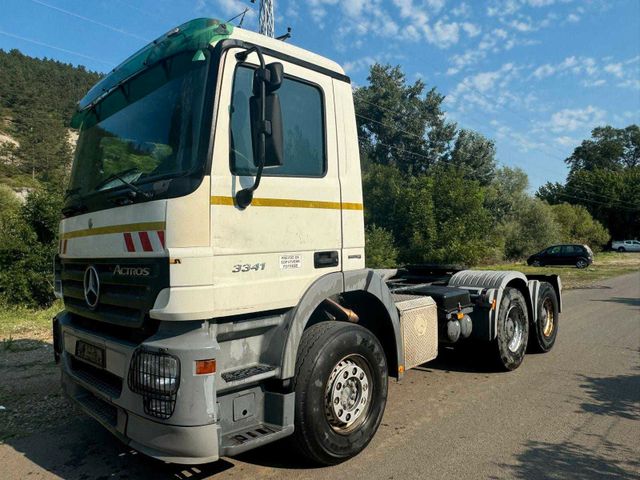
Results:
<point x="575" y="65"/>
<point x="573" y="18"/>
<point x="569" y="120"/>
<point x="443" y="34"/>
<point x="436" y="5"/>
<point x="471" y="29"/>
<point x="353" y="7"/>
<point x="594" y="83"/>
<point x="614" y="69"/>
<point x="541" y="3"/>
<point x="462" y="10"/>
<point x="566" y="141"/>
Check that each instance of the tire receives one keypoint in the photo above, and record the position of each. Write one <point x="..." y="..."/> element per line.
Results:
<point x="621" y="249"/>
<point x="324" y="432"/>
<point x="582" y="263"/>
<point x="543" y="333"/>
<point x="537" y="263"/>
<point x="512" y="334"/>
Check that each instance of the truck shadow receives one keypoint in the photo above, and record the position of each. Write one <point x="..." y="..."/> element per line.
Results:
<point x="468" y="358"/>
<point x="82" y="449"/>
<point x="634" y="302"/>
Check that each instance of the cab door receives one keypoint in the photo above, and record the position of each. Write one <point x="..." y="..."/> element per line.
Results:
<point x="267" y="255"/>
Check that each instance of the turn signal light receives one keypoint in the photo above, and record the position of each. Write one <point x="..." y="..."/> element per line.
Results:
<point x="206" y="367"/>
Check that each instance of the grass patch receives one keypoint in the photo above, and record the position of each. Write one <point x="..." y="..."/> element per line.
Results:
<point x="605" y="265"/>
<point x="20" y="323"/>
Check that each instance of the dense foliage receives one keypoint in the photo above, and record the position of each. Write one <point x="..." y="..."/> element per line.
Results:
<point x="433" y="192"/>
<point x="605" y="178"/>
<point x="37" y="99"/>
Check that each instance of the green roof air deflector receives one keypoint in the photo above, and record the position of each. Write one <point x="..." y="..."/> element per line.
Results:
<point x="193" y="35"/>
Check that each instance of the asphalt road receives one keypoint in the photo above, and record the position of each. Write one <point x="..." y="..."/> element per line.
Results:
<point x="573" y="413"/>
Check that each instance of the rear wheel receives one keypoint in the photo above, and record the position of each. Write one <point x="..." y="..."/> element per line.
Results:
<point x="512" y="333"/>
<point x="341" y="391"/>
<point x="543" y="333"/>
<point x="582" y="263"/>
<point x="621" y="249"/>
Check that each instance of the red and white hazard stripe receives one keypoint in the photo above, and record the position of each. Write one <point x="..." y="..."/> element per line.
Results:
<point x="144" y="241"/>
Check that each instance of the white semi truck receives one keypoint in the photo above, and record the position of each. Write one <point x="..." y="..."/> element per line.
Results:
<point x="212" y="260"/>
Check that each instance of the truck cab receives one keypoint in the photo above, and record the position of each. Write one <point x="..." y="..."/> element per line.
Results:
<point x="212" y="259"/>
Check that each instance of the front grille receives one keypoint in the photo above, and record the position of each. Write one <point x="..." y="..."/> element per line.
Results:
<point x="104" y="411"/>
<point x="124" y="300"/>
<point x="103" y="380"/>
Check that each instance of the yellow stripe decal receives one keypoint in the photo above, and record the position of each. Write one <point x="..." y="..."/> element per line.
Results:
<point x="129" y="227"/>
<point x="289" y="202"/>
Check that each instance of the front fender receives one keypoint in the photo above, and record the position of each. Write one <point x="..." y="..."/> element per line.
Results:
<point x="329" y="285"/>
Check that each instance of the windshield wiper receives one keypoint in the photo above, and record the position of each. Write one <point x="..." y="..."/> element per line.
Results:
<point x="74" y="209"/>
<point x="133" y="188"/>
<point x="71" y="191"/>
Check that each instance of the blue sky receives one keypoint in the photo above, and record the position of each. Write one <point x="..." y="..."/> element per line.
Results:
<point x="534" y="75"/>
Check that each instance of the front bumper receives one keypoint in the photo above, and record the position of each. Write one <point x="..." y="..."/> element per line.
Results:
<point x="190" y="436"/>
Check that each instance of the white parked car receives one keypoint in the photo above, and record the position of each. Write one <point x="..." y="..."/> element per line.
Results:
<point x="626" y="245"/>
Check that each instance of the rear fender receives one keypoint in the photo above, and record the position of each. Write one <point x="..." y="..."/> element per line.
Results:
<point x="555" y="282"/>
<point x="492" y="284"/>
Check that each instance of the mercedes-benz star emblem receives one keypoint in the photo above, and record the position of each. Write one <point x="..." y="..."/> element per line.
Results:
<point x="91" y="286"/>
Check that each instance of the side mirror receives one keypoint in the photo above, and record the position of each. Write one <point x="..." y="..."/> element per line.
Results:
<point x="266" y="121"/>
<point x="272" y="76"/>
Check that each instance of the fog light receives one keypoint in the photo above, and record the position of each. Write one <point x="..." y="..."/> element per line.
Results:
<point x="156" y="376"/>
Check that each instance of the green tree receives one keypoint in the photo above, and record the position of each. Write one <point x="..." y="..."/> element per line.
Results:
<point x="474" y="155"/>
<point x="380" y="251"/>
<point x="28" y="243"/>
<point x="507" y="193"/>
<point x="400" y="125"/>
<point x="578" y="226"/>
<point x="604" y="177"/>
<point x="609" y="149"/>
<point x="530" y="229"/>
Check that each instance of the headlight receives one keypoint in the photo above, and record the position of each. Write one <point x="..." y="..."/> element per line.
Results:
<point x="156" y="376"/>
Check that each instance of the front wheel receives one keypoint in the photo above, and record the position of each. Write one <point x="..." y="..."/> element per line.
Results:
<point x="512" y="333"/>
<point x="543" y="333"/>
<point x="341" y="391"/>
<point x="536" y="263"/>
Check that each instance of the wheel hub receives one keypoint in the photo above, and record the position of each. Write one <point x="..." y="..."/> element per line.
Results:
<point x="348" y="394"/>
<point x="515" y="332"/>
<point x="547" y="318"/>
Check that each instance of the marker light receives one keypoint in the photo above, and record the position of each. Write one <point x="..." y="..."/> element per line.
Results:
<point x="206" y="367"/>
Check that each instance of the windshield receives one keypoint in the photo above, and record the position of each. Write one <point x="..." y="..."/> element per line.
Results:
<point x="145" y="130"/>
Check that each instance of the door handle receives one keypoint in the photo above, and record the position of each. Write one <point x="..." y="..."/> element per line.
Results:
<point x="325" y="259"/>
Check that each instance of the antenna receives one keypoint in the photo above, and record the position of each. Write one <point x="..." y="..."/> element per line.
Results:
<point x="241" y="14"/>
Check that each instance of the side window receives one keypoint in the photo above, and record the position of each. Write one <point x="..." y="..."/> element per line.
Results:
<point x="303" y="128"/>
<point x="553" y="251"/>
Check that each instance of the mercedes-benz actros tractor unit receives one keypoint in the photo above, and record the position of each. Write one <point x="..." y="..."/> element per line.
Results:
<point x="212" y="260"/>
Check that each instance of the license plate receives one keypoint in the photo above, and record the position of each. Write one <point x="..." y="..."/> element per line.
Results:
<point x="90" y="353"/>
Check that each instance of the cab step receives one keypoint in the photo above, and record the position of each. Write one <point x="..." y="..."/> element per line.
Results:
<point x="249" y="374"/>
<point x="251" y="437"/>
